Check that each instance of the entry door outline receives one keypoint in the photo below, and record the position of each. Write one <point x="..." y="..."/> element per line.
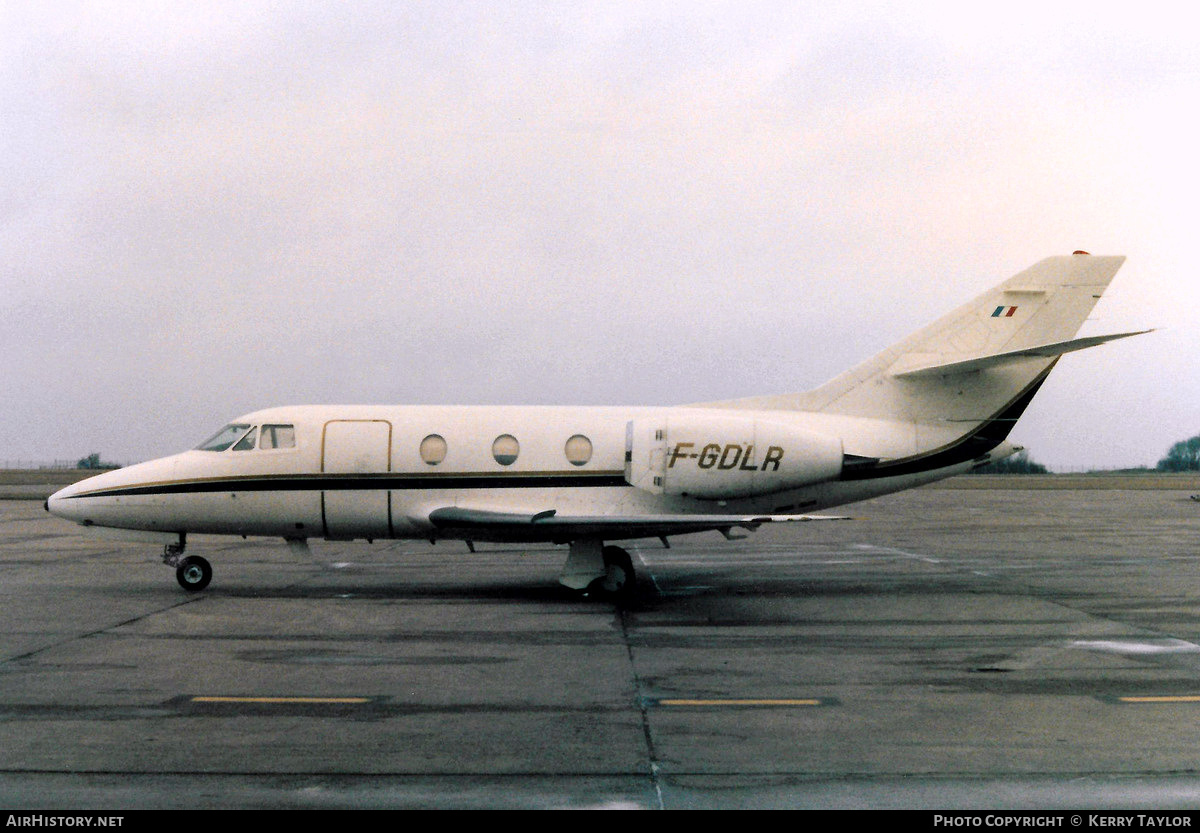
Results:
<point x="364" y="447"/>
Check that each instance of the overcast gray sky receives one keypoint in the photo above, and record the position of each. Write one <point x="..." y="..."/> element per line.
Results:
<point x="208" y="208"/>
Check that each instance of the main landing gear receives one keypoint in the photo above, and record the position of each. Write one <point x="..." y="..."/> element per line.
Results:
<point x="599" y="572"/>
<point x="618" y="580"/>
<point x="193" y="572"/>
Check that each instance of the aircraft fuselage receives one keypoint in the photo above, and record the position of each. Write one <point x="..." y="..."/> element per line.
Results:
<point x="378" y="471"/>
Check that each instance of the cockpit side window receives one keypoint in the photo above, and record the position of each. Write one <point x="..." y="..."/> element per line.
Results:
<point x="277" y="436"/>
<point x="246" y="443"/>
<point x="224" y="438"/>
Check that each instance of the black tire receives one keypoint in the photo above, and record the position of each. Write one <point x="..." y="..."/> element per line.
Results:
<point x="193" y="573"/>
<point x="619" y="581"/>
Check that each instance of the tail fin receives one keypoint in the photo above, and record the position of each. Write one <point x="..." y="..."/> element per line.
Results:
<point x="977" y="366"/>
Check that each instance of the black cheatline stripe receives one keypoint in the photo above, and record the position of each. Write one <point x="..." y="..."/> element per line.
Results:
<point x="359" y="482"/>
<point x="986" y="437"/>
<point x="989" y="435"/>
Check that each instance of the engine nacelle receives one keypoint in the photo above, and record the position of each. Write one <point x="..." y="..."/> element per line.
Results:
<point x="726" y="456"/>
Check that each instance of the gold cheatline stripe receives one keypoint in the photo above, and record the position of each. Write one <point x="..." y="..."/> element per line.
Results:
<point x="1188" y="698"/>
<point x="281" y="699"/>
<point x="804" y="702"/>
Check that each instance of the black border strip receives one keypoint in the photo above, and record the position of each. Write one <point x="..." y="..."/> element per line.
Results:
<point x="359" y="482"/>
<point x="983" y="439"/>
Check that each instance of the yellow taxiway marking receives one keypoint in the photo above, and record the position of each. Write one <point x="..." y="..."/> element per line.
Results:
<point x="794" y="702"/>
<point x="1189" y="698"/>
<point x="322" y="700"/>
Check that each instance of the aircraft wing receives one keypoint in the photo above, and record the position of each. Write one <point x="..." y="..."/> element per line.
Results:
<point x="483" y="524"/>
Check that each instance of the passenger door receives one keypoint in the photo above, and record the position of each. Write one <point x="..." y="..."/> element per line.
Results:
<point x="356" y="456"/>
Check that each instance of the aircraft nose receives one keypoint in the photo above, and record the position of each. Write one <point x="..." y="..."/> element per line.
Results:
<point x="60" y="505"/>
<point x="53" y="503"/>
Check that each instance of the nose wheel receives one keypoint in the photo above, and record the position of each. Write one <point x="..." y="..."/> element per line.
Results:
<point x="193" y="573"/>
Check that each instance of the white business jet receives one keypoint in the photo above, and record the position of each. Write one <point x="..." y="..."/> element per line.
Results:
<point x="939" y="403"/>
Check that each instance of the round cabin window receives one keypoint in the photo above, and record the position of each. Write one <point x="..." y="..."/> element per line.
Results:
<point x="578" y="450"/>
<point x="505" y="449"/>
<point x="433" y="449"/>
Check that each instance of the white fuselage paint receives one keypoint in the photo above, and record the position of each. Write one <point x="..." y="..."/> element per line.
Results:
<point x="230" y="492"/>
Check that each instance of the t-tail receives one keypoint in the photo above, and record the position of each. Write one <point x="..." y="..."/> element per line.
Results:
<point x="950" y="393"/>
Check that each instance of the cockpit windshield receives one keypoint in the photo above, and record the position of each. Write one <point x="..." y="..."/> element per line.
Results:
<point x="246" y="443"/>
<point x="224" y="438"/>
<point x="242" y="436"/>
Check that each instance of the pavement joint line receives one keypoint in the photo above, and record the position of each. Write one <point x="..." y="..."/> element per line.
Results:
<point x="101" y="631"/>
<point x="647" y="731"/>
<point x="916" y="556"/>
<point x="280" y="700"/>
<point x="718" y="702"/>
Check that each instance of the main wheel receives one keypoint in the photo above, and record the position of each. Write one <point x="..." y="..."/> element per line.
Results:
<point x="619" y="578"/>
<point x="193" y="573"/>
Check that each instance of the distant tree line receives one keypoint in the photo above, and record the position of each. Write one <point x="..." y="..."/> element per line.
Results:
<point x="1183" y="456"/>
<point x="92" y="461"/>
<point x="1018" y="463"/>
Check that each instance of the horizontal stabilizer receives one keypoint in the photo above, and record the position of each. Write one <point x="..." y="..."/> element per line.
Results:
<point x="551" y="526"/>
<point x="1043" y="351"/>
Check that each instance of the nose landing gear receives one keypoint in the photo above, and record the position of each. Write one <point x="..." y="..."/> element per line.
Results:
<point x="193" y="572"/>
